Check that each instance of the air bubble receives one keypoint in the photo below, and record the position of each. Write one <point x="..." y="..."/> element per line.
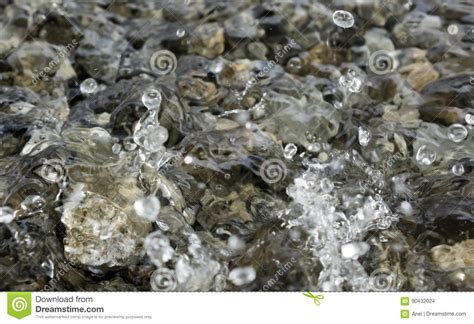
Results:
<point x="88" y="86"/>
<point x="343" y="18"/>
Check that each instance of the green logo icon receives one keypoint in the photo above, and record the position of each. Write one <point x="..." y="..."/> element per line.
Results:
<point x="405" y="313"/>
<point x="316" y="298"/>
<point x="404" y="301"/>
<point x="19" y="304"/>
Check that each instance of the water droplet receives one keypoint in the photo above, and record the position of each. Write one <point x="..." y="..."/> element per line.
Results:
<point x="469" y="119"/>
<point x="88" y="86"/>
<point x="425" y="155"/>
<point x="453" y="29"/>
<point x="242" y="276"/>
<point x="147" y="207"/>
<point x="180" y="32"/>
<point x="343" y="18"/>
<point x="188" y="159"/>
<point x="406" y="208"/>
<point x="116" y="148"/>
<point x="351" y="82"/>
<point x="235" y="243"/>
<point x="327" y="185"/>
<point x="157" y="246"/>
<point x="457" y="133"/>
<point x="365" y="136"/>
<point x="458" y="169"/>
<point x="354" y="250"/>
<point x="314" y="147"/>
<point x="290" y="151"/>
<point x="6" y="215"/>
<point x="151" y="99"/>
<point x="151" y="138"/>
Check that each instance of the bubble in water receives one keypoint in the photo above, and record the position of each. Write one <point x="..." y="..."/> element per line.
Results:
<point x="151" y="99"/>
<point x="343" y="18"/>
<point x="290" y="151"/>
<point x="457" y="133"/>
<point x="116" y="148"/>
<point x="6" y="215"/>
<point x="354" y="250"/>
<point x="314" y="147"/>
<point x="365" y="136"/>
<point x="157" y="246"/>
<point x="147" y="207"/>
<point x="242" y="276"/>
<point x="327" y="185"/>
<point x="458" y="169"/>
<point x="180" y="32"/>
<point x="294" y="64"/>
<point x="425" y="155"/>
<point x="453" y="29"/>
<point x="351" y="82"/>
<point x="469" y="119"/>
<point x="88" y="86"/>
<point x="163" y="280"/>
<point x="52" y="171"/>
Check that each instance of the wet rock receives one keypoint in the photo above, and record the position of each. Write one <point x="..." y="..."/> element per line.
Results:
<point x="454" y="257"/>
<point x="99" y="232"/>
<point x="420" y="74"/>
<point x="241" y="26"/>
<point x="207" y="40"/>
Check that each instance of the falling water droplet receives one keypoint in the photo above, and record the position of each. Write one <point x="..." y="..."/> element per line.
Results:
<point x="453" y="29"/>
<point x="151" y="99"/>
<point x="147" y="207"/>
<point x="180" y="32"/>
<point x="290" y="151"/>
<point x="457" y="169"/>
<point x="365" y="136"/>
<point x="457" y="133"/>
<point x="242" y="276"/>
<point x="6" y="215"/>
<point x="425" y="155"/>
<point x="469" y="119"/>
<point x="158" y="248"/>
<point x="353" y="250"/>
<point x="343" y="18"/>
<point x="88" y="86"/>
